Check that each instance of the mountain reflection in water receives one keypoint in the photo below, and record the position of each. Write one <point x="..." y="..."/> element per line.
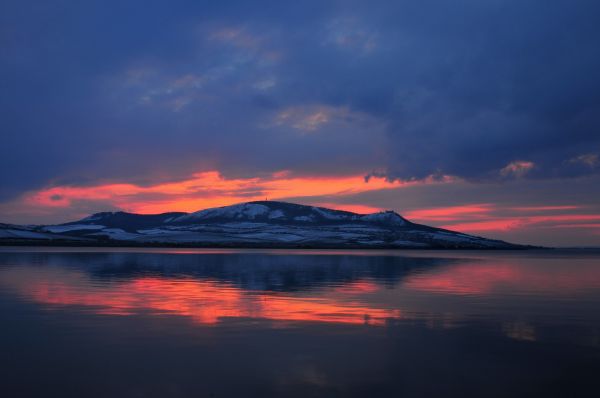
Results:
<point x="322" y="288"/>
<point x="209" y="287"/>
<point x="156" y="323"/>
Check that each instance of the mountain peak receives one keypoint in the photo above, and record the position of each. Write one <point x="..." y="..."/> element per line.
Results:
<point x="285" y="212"/>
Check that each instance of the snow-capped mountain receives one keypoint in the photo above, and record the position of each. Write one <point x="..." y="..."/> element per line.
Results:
<point x="254" y="224"/>
<point x="284" y="213"/>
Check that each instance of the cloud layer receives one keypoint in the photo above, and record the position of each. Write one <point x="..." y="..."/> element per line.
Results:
<point x="149" y="93"/>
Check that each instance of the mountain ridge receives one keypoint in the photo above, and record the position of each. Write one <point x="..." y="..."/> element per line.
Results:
<point x="255" y="224"/>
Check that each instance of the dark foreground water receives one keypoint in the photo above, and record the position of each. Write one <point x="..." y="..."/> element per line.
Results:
<point x="214" y="323"/>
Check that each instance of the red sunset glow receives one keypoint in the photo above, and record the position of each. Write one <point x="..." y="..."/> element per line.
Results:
<point x="204" y="301"/>
<point x="212" y="189"/>
<point x="208" y="301"/>
<point x="488" y="278"/>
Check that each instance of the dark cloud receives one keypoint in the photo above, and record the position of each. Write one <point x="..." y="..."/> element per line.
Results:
<point x="147" y="90"/>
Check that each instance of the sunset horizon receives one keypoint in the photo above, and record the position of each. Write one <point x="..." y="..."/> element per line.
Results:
<point x="557" y="223"/>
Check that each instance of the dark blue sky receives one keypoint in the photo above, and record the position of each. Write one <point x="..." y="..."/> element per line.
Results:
<point x="495" y="94"/>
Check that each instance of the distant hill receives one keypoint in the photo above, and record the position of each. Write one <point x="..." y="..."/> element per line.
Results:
<point x="251" y="224"/>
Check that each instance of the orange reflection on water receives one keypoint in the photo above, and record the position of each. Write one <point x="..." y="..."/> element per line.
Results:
<point x="465" y="279"/>
<point x="487" y="278"/>
<point x="204" y="301"/>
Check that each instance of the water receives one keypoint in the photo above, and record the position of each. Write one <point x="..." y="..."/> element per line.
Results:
<point x="238" y="323"/>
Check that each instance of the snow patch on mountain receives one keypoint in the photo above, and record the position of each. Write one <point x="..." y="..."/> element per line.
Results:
<point x="332" y="214"/>
<point x="57" y="229"/>
<point x="305" y="218"/>
<point x="388" y="217"/>
<point x="21" y="234"/>
<point x="244" y="210"/>
<point x="276" y="214"/>
<point x="408" y="243"/>
<point x="116" y="233"/>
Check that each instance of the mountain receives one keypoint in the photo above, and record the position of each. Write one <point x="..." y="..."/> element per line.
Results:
<point x="252" y="224"/>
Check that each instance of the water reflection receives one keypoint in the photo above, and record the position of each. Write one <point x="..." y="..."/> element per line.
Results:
<point x="238" y="323"/>
<point x="500" y="275"/>
<point x="373" y="290"/>
<point x="205" y="302"/>
<point x="248" y="271"/>
<point x="208" y="288"/>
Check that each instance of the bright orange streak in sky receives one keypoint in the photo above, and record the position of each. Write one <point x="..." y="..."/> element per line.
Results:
<point x="520" y="222"/>
<point x="473" y="218"/>
<point x="209" y="189"/>
<point x="360" y="209"/>
<point x="545" y="208"/>
<point x="449" y="213"/>
<point x="488" y="225"/>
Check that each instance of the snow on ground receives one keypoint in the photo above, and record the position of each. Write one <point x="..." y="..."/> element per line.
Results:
<point x="191" y="237"/>
<point x="451" y="237"/>
<point x="408" y="243"/>
<point x="330" y="215"/>
<point x="158" y="231"/>
<point x="23" y="234"/>
<point x="359" y="228"/>
<point x="117" y="233"/>
<point x="384" y="217"/>
<point x="245" y="225"/>
<point x="251" y="232"/>
<point x="274" y="236"/>
<point x="74" y="227"/>
<point x="371" y="242"/>
<point x="276" y="214"/>
<point x="244" y="210"/>
<point x="20" y="234"/>
<point x="305" y="218"/>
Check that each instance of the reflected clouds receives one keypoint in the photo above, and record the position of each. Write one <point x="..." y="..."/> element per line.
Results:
<point x="343" y="289"/>
<point x="205" y="302"/>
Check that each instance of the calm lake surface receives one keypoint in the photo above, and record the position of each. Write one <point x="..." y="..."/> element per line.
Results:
<point x="239" y="323"/>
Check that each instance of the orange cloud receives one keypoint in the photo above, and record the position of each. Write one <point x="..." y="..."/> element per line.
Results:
<point x="490" y="225"/>
<point x="517" y="169"/>
<point x="491" y="217"/>
<point x="360" y="209"/>
<point x="582" y="225"/>
<point x="477" y="226"/>
<point x="508" y="223"/>
<point x="545" y="208"/>
<point x="449" y="213"/>
<point x="209" y="189"/>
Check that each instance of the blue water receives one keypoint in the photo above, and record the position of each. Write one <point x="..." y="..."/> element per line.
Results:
<point x="239" y="323"/>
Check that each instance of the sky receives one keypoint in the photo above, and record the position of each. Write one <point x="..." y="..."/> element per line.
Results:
<point x="481" y="116"/>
